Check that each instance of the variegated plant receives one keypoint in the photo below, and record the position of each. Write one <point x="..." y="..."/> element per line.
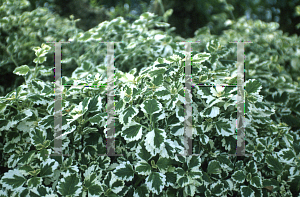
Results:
<point x="149" y="131"/>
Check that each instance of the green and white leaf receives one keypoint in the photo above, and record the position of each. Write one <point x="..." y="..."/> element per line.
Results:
<point x="127" y="115"/>
<point x="142" y="153"/>
<point x="142" y="167"/>
<point x="247" y="191"/>
<point x="21" y="70"/>
<point x="217" y="188"/>
<point x="151" y="106"/>
<point x="37" y="137"/>
<point x="132" y="131"/>
<point x="162" y="93"/>
<point x="13" y="179"/>
<point x="210" y="112"/>
<point x="274" y="163"/>
<point x="253" y="86"/>
<point x="69" y="185"/>
<point x="214" y="167"/>
<point x="48" y="167"/>
<point x="239" y="176"/>
<point x="225" y="127"/>
<point x="200" y="57"/>
<point x="156" y="182"/>
<point x="124" y="171"/>
<point x="286" y="155"/>
<point x="256" y="181"/>
<point x="34" y="182"/>
<point x="154" y="140"/>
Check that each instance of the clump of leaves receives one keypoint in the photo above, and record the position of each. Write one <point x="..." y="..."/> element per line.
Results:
<point x="149" y="128"/>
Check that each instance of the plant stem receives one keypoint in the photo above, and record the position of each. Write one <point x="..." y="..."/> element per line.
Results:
<point x="145" y="127"/>
<point x="151" y="122"/>
<point x="138" y="181"/>
<point x="35" y="70"/>
<point x="161" y="7"/>
<point x="230" y="12"/>
<point x="13" y="107"/>
<point x="10" y="55"/>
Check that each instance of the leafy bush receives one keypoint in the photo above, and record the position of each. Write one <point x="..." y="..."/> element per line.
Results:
<point x="273" y="59"/>
<point x="20" y="31"/>
<point x="149" y="108"/>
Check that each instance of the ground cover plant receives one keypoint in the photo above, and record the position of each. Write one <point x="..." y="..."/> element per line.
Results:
<point x="149" y="121"/>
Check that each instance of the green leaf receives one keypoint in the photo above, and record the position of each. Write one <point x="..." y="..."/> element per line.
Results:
<point x="291" y="120"/>
<point x="154" y="140"/>
<point x="151" y="106"/>
<point x="127" y="115"/>
<point x="40" y="60"/>
<point x="271" y="184"/>
<point x="274" y="163"/>
<point x="253" y="86"/>
<point x="286" y="155"/>
<point x="7" y="124"/>
<point x="46" y="47"/>
<point x="239" y="176"/>
<point x="183" y="181"/>
<point x="39" y="99"/>
<point x="48" y="167"/>
<point x="247" y="191"/>
<point x="147" y="15"/>
<point x="41" y="53"/>
<point x="162" y="24"/>
<point x="298" y="10"/>
<point x="94" y="104"/>
<point x="120" y="105"/>
<point x="256" y="181"/>
<point x="141" y="191"/>
<point x="212" y="46"/>
<point x="27" y="158"/>
<point x="214" y="167"/>
<point x="26" y="169"/>
<point x="156" y="182"/>
<point x="37" y="137"/>
<point x="99" y="119"/>
<point x="200" y="57"/>
<point x="162" y="93"/>
<point x="224" y="127"/>
<point x="142" y="167"/>
<point x="88" y="130"/>
<point x="2" y="107"/>
<point x="157" y="71"/>
<point x="34" y="182"/>
<point x="251" y="167"/>
<point x="69" y="185"/>
<point x="4" y="20"/>
<point x="193" y="162"/>
<point x="217" y="188"/>
<point x="13" y="179"/>
<point x="163" y="163"/>
<point x="21" y="70"/>
<point x="211" y="112"/>
<point x="84" y="37"/>
<point x="203" y="139"/>
<point x="158" y="80"/>
<point x="206" y="126"/>
<point x="95" y="189"/>
<point x="124" y="171"/>
<point x="280" y="97"/>
<point x="132" y="131"/>
<point x="142" y="153"/>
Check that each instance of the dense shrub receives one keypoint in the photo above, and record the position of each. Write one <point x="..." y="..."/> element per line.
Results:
<point x="20" y="31"/>
<point x="149" y="109"/>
